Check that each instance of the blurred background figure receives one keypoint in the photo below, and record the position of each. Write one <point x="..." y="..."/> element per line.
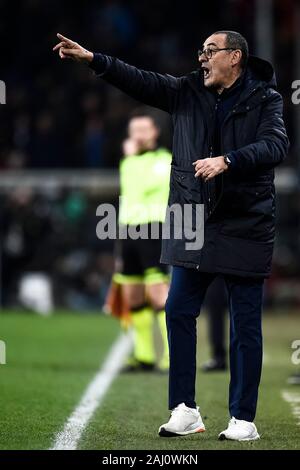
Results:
<point x="26" y="228"/>
<point x="144" y="177"/>
<point x="35" y="293"/>
<point x="49" y="254"/>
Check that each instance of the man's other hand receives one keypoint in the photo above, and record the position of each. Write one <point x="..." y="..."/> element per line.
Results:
<point x="69" y="49"/>
<point x="208" y="168"/>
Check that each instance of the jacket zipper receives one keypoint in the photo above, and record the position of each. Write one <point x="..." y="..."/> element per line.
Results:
<point x="197" y="266"/>
<point x="221" y="132"/>
<point x="208" y="185"/>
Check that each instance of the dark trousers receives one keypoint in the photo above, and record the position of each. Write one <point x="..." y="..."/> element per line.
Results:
<point x="216" y="303"/>
<point x="186" y="295"/>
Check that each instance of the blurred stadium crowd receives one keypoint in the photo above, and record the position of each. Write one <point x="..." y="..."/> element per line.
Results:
<point x="58" y="116"/>
<point x="49" y="252"/>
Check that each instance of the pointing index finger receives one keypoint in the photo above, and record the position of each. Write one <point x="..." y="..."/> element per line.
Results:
<point x="63" y="38"/>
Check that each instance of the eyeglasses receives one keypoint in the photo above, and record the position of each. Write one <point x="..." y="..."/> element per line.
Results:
<point x="209" y="51"/>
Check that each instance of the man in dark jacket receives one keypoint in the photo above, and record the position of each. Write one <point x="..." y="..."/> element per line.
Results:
<point x="228" y="137"/>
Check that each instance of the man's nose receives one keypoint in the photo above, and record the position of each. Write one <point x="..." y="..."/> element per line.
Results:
<point x="202" y="58"/>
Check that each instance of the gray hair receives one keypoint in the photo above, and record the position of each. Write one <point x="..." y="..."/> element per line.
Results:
<point x="237" y="41"/>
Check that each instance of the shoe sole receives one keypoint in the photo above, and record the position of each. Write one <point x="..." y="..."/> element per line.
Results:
<point x="222" y="437"/>
<point x="164" y="433"/>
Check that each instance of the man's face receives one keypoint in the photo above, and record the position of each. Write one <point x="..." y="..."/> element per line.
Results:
<point x="218" y="69"/>
<point x="144" y="131"/>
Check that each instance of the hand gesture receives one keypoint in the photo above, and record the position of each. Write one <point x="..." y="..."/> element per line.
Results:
<point x="69" y="49"/>
<point x="130" y="147"/>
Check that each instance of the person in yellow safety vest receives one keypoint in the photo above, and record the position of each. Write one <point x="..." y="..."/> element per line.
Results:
<point x="144" y="181"/>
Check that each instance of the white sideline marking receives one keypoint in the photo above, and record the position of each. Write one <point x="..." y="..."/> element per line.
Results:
<point x="68" y="438"/>
<point x="293" y="398"/>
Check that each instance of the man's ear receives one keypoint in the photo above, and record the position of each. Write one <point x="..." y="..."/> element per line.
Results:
<point x="236" y="57"/>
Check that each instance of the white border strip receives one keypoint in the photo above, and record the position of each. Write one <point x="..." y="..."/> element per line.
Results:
<point x="68" y="438"/>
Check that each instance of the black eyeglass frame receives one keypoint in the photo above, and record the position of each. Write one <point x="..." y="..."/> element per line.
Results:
<point x="204" y="51"/>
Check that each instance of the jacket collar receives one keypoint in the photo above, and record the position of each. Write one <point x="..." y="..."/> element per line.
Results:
<point x="258" y="74"/>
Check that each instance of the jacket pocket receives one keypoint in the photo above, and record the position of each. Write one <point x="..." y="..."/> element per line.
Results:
<point x="257" y="197"/>
<point x="185" y="218"/>
<point x="246" y="197"/>
<point x="185" y="188"/>
<point x="249" y="212"/>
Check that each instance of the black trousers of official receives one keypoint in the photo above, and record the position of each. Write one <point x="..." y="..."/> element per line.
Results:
<point x="216" y="304"/>
<point x="245" y="296"/>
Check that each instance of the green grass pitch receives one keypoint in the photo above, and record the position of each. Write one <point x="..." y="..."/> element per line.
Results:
<point x="50" y="362"/>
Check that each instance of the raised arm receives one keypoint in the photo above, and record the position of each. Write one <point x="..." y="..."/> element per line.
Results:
<point x="151" y="88"/>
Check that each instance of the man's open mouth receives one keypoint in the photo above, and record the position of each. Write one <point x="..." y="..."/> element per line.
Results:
<point x="206" y="72"/>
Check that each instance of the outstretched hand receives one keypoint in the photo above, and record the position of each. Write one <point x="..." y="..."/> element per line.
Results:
<point x="69" y="49"/>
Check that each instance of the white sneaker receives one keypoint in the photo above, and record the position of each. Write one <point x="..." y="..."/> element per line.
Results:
<point x="183" y="421"/>
<point x="239" y="430"/>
